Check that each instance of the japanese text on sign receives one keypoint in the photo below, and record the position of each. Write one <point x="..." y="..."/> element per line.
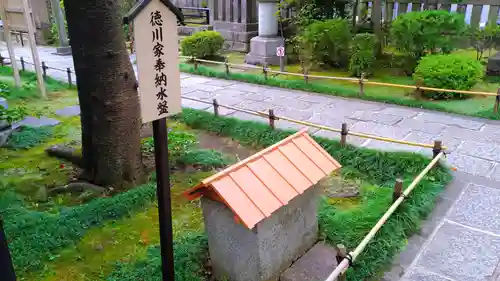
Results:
<point x="160" y="78"/>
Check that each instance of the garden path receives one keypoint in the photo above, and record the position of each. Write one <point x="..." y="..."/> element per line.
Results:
<point x="461" y="239"/>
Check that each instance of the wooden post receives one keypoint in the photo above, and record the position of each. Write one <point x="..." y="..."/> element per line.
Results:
<point x="343" y="135"/>
<point x="10" y="47"/>
<point x="2" y="62"/>
<point x="195" y="63"/>
<point x="68" y="70"/>
<point x="497" y="102"/>
<point x="306" y="78"/>
<point x="227" y="66"/>
<point x="44" y="69"/>
<point x="28" y="18"/>
<point x="398" y="190"/>
<point x="216" y="107"/>
<point x="272" y="117"/>
<point x="341" y="254"/>
<point x="437" y="148"/>
<point x="362" y="85"/>
<point x="264" y="70"/>
<point x="23" y="67"/>
<point x="8" y="273"/>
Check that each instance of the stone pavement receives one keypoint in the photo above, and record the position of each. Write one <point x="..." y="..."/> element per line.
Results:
<point x="461" y="239"/>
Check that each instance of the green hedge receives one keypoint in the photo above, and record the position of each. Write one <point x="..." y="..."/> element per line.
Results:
<point x="29" y="137"/>
<point x="202" y="44"/>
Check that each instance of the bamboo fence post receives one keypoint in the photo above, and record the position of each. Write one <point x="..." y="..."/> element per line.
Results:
<point x="68" y="70"/>
<point x="2" y="62"/>
<point x="272" y="117"/>
<point x="497" y="102"/>
<point x="44" y="68"/>
<point x="341" y="254"/>
<point x="419" y="93"/>
<point x="362" y="85"/>
<point x="226" y="65"/>
<point x="264" y="70"/>
<point x="343" y="135"/>
<point x="438" y="146"/>
<point x="216" y="107"/>
<point x="398" y="190"/>
<point x="306" y="79"/>
<point x="22" y="64"/>
<point x="195" y="63"/>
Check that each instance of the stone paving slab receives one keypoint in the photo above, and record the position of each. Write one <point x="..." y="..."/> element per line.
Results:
<point x="376" y="117"/>
<point x="478" y="207"/>
<point x="69" y="111"/>
<point x="445" y="119"/>
<point x="420" y="274"/>
<point x="460" y="253"/>
<point x="36" y="122"/>
<point x="471" y="165"/>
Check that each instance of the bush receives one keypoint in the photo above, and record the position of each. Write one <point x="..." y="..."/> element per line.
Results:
<point x="362" y="54"/>
<point x="454" y="71"/>
<point x="328" y="41"/>
<point x="202" y="44"/>
<point x="419" y="33"/>
<point x="29" y="137"/>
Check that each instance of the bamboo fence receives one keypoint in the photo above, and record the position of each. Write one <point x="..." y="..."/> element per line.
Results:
<point x="362" y="81"/>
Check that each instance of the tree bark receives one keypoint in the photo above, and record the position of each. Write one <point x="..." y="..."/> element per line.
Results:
<point x="107" y="91"/>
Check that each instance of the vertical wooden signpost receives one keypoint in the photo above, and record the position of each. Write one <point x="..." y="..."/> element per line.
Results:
<point x="156" y="45"/>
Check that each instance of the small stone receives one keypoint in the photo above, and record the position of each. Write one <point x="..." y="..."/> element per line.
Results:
<point x="69" y="111"/>
<point x="99" y="247"/>
<point x="42" y="194"/>
<point x="4" y="103"/>
<point x="4" y="136"/>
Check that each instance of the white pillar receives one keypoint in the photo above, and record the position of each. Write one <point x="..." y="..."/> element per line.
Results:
<point x="268" y="20"/>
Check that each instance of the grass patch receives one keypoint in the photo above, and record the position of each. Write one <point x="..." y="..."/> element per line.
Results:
<point x="29" y="137"/>
<point x="29" y="88"/>
<point x="476" y="106"/>
<point x="379" y="169"/>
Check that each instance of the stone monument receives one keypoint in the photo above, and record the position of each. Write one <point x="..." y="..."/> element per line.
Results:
<point x="261" y="213"/>
<point x="493" y="67"/>
<point x="64" y="49"/>
<point x="263" y="47"/>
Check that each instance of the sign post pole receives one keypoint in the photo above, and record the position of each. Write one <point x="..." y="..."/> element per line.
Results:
<point x="156" y="46"/>
<point x="6" y="266"/>
<point x="160" y="135"/>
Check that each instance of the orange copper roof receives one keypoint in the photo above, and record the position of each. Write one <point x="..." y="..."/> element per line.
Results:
<point x="259" y="185"/>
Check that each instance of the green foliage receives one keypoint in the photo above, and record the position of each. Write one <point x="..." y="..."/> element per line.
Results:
<point x="328" y="40"/>
<point x="362" y="54"/>
<point x="14" y="114"/>
<point x="433" y="31"/>
<point x="374" y="167"/>
<point x="484" y="39"/>
<point x="449" y="72"/>
<point x="208" y="158"/>
<point x="190" y="252"/>
<point x="202" y="44"/>
<point x="29" y="137"/>
<point x="35" y="237"/>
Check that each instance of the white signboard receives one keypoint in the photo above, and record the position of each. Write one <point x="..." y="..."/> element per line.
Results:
<point x="156" y="43"/>
<point x="280" y="51"/>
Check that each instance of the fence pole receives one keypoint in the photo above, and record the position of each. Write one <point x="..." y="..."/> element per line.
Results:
<point x="438" y="146"/>
<point x="22" y="64"/>
<point x="343" y="135"/>
<point x="44" y="68"/>
<point x="216" y="107"/>
<point x="2" y="62"/>
<point x="419" y="93"/>
<point x="68" y="70"/>
<point x="306" y="79"/>
<point x="341" y="254"/>
<point x="398" y="190"/>
<point x="227" y="66"/>
<point x="264" y="70"/>
<point x="497" y="102"/>
<point x="362" y="85"/>
<point x="272" y="117"/>
<point x="207" y="16"/>
<point x="195" y="63"/>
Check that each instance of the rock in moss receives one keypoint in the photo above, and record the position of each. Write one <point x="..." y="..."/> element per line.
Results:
<point x="42" y="194"/>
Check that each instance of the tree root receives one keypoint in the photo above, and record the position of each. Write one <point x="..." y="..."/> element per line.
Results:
<point x="78" y="186"/>
<point x="65" y="153"/>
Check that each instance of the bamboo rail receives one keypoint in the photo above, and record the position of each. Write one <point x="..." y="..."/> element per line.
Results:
<point x="346" y="262"/>
<point x="272" y="117"/>
<point x="361" y="81"/>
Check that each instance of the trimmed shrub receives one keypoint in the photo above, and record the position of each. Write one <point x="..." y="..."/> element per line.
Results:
<point x="202" y="44"/>
<point x="29" y="137"/>
<point x="328" y="41"/>
<point x="362" y="54"/>
<point x="454" y="71"/>
<point x="419" y="33"/>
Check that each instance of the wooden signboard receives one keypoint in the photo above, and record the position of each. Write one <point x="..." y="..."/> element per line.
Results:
<point x="157" y="53"/>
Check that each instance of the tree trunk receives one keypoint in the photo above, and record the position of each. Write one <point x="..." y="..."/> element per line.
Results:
<point x="107" y="91"/>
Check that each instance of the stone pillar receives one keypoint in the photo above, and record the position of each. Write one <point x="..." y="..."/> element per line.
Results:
<point x="236" y="20"/>
<point x="64" y="49"/>
<point x="263" y="47"/>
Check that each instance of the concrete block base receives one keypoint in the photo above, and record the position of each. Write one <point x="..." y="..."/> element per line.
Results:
<point x="63" y="51"/>
<point x="493" y="67"/>
<point x="263" y="50"/>
<point x="236" y="35"/>
<point x="316" y="264"/>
